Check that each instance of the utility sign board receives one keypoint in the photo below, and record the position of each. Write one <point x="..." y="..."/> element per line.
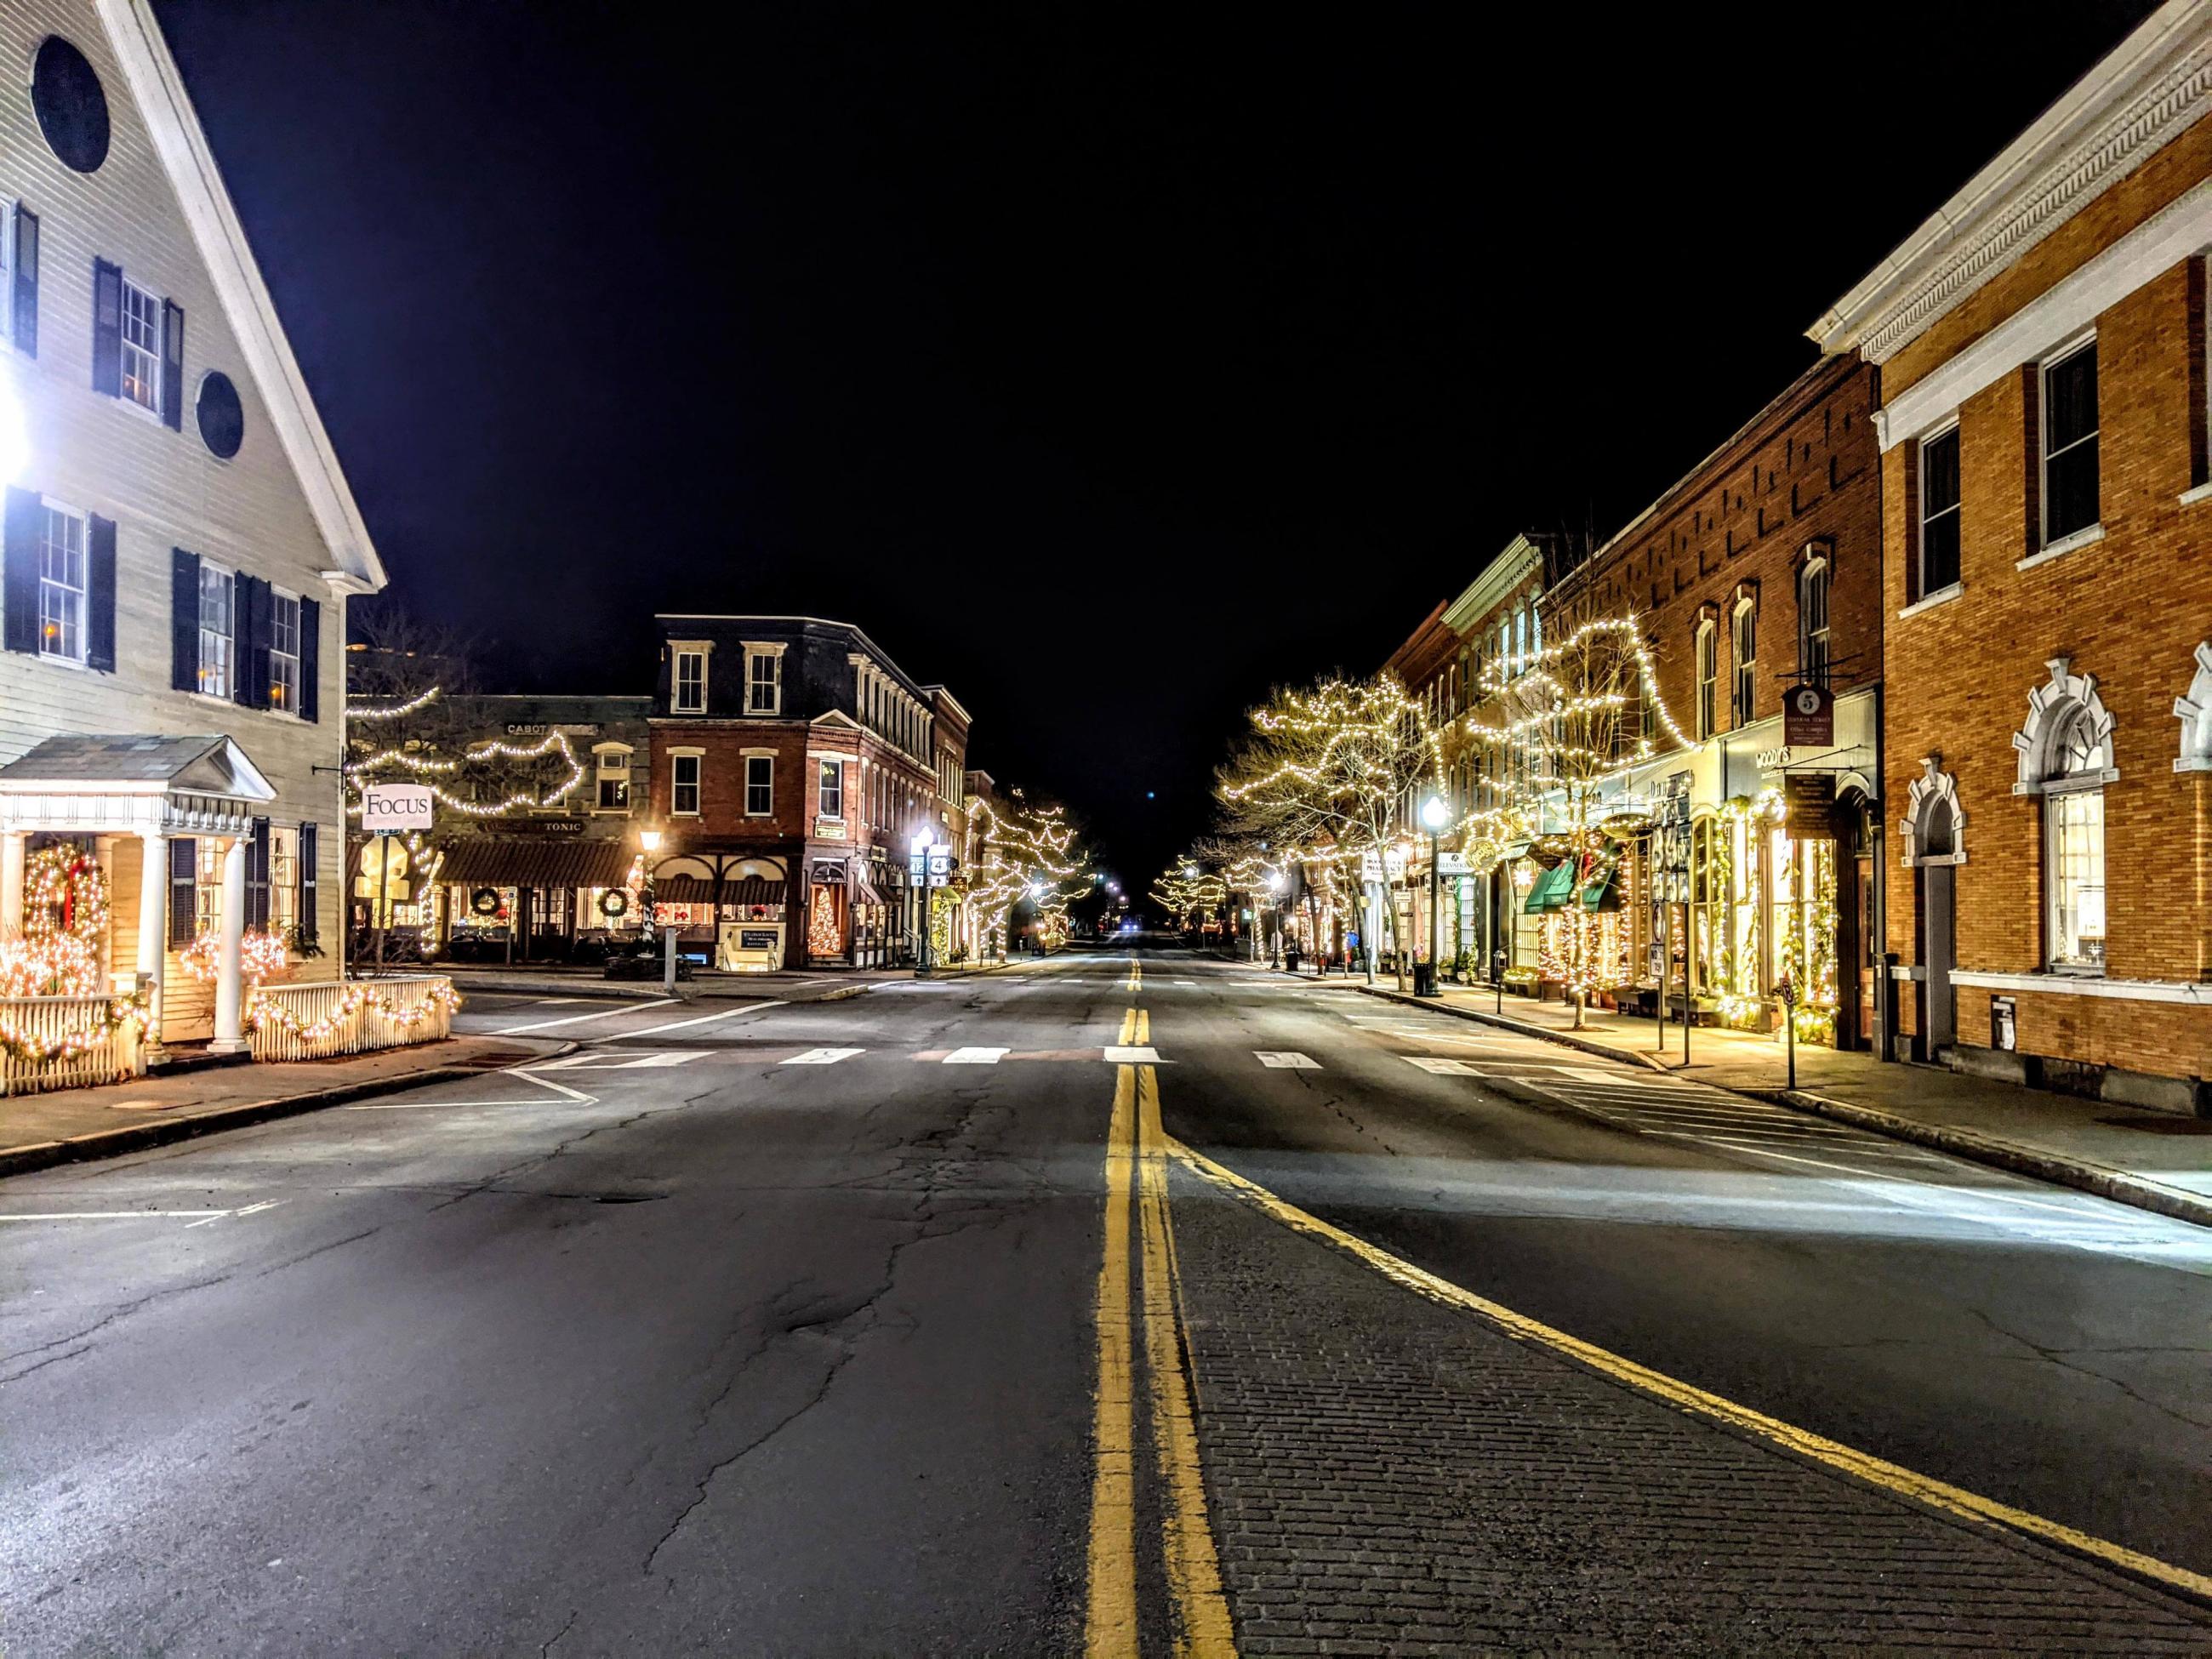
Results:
<point x="387" y="808"/>
<point x="1370" y="867"/>
<point x="940" y="864"/>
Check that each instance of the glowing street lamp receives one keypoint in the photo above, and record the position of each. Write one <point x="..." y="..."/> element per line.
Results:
<point x="1434" y="816"/>
<point x="648" y="841"/>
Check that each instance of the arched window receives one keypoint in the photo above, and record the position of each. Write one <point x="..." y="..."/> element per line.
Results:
<point x="1745" y="643"/>
<point x="2066" y="757"/>
<point x="1708" y="673"/>
<point x="1813" y="621"/>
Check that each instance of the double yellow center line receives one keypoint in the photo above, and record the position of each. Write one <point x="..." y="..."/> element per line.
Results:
<point x="1137" y="1310"/>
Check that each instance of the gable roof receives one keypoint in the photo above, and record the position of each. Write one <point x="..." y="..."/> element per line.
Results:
<point x="160" y="93"/>
<point x="201" y="765"/>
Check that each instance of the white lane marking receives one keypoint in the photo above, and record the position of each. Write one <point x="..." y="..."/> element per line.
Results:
<point x="822" y="1057"/>
<point x="202" y="1217"/>
<point x="555" y="1002"/>
<point x="619" y="1059"/>
<point x="1285" y="1060"/>
<point x="706" y="1020"/>
<point x="975" y="1057"/>
<point x="527" y="1073"/>
<point x="1439" y="1065"/>
<point x="578" y="1019"/>
<point x="1183" y="981"/>
<point x="1126" y="1055"/>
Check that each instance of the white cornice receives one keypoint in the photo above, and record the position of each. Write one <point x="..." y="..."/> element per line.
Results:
<point x="159" y="94"/>
<point x="2139" y="98"/>
<point x="1513" y="565"/>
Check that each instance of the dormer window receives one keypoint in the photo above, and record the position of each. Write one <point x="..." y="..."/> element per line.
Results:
<point x="688" y="680"/>
<point x="763" y="678"/>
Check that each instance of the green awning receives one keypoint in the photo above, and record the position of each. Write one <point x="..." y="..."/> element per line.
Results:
<point x="1552" y="889"/>
<point x="1602" y="892"/>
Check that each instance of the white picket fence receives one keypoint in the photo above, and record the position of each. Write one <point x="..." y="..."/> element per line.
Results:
<point x="351" y="1017"/>
<point x="111" y="1056"/>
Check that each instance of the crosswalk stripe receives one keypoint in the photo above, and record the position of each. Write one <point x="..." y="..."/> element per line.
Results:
<point x="975" y="1057"/>
<point x="1131" y="1055"/>
<point x="822" y="1056"/>
<point x="1284" y="1060"/>
<point x="1441" y="1066"/>
<point x="578" y="1019"/>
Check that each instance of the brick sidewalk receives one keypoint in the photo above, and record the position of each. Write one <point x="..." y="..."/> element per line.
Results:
<point x="2153" y="1160"/>
<point x="1387" y="1475"/>
<point x="37" y="1131"/>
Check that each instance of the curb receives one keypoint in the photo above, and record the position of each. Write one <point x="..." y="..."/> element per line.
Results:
<point x="2095" y="1178"/>
<point x="1506" y="1021"/>
<point x="142" y="1136"/>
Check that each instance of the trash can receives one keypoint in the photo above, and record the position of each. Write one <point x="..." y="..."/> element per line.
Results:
<point x="1425" y="979"/>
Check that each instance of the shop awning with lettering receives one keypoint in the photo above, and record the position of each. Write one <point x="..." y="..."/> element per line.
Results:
<point x="512" y="861"/>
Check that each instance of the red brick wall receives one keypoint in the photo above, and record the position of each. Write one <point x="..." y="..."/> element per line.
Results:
<point x="722" y="782"/>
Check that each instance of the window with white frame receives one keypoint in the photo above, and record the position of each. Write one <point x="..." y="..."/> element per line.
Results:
<point x="218" y="592"/>
<point x="830" y="790"/>
<point x="763" y="681"/>
<point x="1813" y="621"/>
<point x="683" y="786"/>
<point x="1744" y="665"/>
<point x="283" y="878"/>
<point x="612" y="763"/>
<point x="690" y="683"/>
<point x="142" y="346"/>
<point x="1939" y="513"/>
<point x="1708" y="675"/>
<point x="2073" y="821"/>
<point x="760" y="786"/>
<point x="60" y="583"/>
<point x="2069" y="444"/>
<point x="283" y="651"/>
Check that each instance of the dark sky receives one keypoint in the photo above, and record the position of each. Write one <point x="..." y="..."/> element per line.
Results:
<point x="1107" y="366"/>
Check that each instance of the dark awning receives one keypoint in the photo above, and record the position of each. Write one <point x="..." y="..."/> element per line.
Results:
<point x="514" y="861"/>
<point x="700" y="889"/>
<point x="1552" y="887"/>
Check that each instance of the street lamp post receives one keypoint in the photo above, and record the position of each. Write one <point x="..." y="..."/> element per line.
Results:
<point x="1276" y="932"/>
<point x="1434" y="814"/>
<point x="922" y="850"/>
<point x="648" y="841"/>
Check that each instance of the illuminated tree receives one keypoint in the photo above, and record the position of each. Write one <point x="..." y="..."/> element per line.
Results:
<point x="1561" y="725"/>
<point x="1324" y="777"/>
<point x="1189" y="894"/>
<point x="1027" y="853"/>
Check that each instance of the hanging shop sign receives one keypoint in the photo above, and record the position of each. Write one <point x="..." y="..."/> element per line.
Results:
<point x="386" y="807"/>
<point x="1808" y="806"/>
<point x="1452" y="864"/>
<point x="613" y="903"/>
<point x="1809" y="717"/>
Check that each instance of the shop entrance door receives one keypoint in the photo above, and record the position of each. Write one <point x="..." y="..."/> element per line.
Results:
<point x="1867" y="953"/>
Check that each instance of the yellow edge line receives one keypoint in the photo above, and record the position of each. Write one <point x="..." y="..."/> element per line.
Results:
<point x="1110" y="1614"/>
<point x="1194" y="1569"/>
<point x="1923" y="1489"/>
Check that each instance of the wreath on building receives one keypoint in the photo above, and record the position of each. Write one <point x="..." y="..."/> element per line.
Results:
<point x="613" y="903"/>
<point x="65" y="913"/>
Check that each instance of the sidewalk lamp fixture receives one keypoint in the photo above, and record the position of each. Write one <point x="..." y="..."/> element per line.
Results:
<point x="649" y="842"/>
<point x="1434" y="816"/>
<point x="1275" y="923"/>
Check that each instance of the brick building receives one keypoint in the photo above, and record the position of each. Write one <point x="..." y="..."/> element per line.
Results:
<point x="794" y="763"/>
<point x="1755" y="575"/>
<point x="2048" y="609"/>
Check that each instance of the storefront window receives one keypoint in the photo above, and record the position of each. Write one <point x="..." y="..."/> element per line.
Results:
<point x="2077" y="878"/>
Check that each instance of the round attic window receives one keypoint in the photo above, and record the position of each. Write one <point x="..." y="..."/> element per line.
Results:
<point x="72" y="110"/>
<point x="222" y="420"/>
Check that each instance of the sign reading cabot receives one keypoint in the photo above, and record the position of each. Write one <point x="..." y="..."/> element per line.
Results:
<point x="386" y="807"/>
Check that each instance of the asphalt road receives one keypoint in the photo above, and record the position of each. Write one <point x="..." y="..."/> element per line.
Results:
<point x="782" y="1328"/>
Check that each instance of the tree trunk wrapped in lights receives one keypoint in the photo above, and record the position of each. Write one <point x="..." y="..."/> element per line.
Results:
<point x="1025" y="854"/>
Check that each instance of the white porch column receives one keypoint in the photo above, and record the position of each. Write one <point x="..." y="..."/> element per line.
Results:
<point x="152" y="923"/>
<point x="229" y="983"/>
<point x="11" y="883"/>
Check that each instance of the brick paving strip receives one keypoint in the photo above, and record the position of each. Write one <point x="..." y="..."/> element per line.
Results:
<point x="1391" y="1474"/>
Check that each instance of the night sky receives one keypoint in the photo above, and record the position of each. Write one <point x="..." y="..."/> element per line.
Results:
<point x="1105" y="366"/>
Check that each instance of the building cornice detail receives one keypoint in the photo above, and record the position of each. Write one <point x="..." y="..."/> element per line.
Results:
<point x="2145" y="93"/>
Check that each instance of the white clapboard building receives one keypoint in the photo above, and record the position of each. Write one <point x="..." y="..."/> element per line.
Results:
<point x="180" y="541"/>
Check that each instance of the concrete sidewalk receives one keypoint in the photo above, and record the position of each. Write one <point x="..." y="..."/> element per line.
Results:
<point x="2152" y="1160"/>
<point x="71" y="1125"/>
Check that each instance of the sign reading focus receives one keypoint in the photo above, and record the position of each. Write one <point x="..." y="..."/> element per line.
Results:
<point x="386" y="807"/>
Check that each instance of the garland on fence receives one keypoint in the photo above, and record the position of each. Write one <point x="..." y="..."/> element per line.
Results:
<point x="266" y="1011"/>
<point x="20" y="1044"/>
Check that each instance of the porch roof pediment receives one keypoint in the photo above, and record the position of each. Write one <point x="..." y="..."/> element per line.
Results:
<point x="145" y="783"/>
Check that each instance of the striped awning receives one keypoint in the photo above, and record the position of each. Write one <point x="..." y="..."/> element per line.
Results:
<point x="515" y="861"/>
<point x="698" y="889"/>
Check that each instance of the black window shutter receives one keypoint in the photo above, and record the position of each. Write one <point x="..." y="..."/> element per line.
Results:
<point x="27" y="281"/>
<point x="310" y="880"/>
<point x="99" y="594"/>
<point x="257" y="876"/>
<point x="173" y="365"/>
<point x="184" y="877"/>
<point x="107" y="328"/>
<point x="311" y="659"/>
<point x="249" y="633"/>
<point x="19" y="571"/>
<point x="184" y="620"/>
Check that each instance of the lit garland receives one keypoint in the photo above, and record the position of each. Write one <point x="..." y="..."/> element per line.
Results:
<point x="425" y="767"/>
<point x="267" y="1012"/>
<point x="1023" y="847"/>
<point x="65" y="919"/>
<point x="396" y="711"/>
<point x="27" y="1046"/>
